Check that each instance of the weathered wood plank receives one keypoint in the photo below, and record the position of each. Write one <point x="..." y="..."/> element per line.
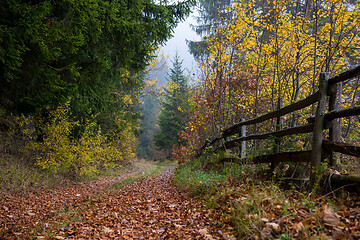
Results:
<point x="282" y="111"/>
<point x="347" y="112"/>
<point x="341" y="147"/>
<point x="335" y="124"/>
<point x="345" y="75"/>
<point x="281" y="133"/>
<point x="337" y="181"/>
<point x="316" y="153"/>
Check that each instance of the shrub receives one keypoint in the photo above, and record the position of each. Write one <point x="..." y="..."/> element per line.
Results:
<point x="60" y="152"/>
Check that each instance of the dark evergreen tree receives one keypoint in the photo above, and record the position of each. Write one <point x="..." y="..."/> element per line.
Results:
<point x="212" y="13"/>
<point x="174" y="108"/>
<point x="55" y="50"/>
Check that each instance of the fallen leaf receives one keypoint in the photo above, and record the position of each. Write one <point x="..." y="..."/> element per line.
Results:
<point x="331" y="218"/>
<point x="273" y="226"/>
<point x="206" y="234"/>
<point x="30" y="213"/>
<point x="107" y="230"/>
<point x="299" y="227"/>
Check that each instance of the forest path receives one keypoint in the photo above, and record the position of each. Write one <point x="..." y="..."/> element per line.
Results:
<point x="131" y="206"/>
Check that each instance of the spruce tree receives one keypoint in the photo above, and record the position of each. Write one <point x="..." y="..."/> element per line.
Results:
<point x="54" y="51"/>
<point x="174" y="108"/>
<point x="212" y="13"/>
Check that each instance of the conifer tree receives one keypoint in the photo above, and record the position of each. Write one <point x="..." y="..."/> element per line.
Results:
<point x="174" y="108"/>
<point x="53" y="51"/>
<point x="212" y="13"/>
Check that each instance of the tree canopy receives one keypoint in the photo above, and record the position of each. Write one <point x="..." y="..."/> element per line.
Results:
<point x="211" y="14"/>
<point x="51" y="51"/>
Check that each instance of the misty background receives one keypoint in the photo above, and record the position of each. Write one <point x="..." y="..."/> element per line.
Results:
<point x="177" y="43"/>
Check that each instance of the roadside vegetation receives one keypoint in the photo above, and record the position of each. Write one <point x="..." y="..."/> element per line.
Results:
<point x="259" y="208"/>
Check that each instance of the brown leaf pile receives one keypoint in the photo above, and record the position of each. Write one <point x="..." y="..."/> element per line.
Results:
<point x="146" y="209"/>
<point x="18" y="213"/>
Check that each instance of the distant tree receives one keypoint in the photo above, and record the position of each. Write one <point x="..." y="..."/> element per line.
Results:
<point x="211" y="14"/>
<point x="150" y="108"/>
<point x="174" y="108"/>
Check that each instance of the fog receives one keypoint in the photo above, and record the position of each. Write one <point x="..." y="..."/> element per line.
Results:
<point x="182" y="33"/>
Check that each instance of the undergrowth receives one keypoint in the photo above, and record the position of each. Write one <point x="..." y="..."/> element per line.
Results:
<point x="37" y="154"/>
<point x="19" y="177"/>
<point x="255" y="207"/>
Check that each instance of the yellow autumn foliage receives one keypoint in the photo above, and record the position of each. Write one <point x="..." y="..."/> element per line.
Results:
<point x="60" y="153"/>
<point x="270" y="54"/>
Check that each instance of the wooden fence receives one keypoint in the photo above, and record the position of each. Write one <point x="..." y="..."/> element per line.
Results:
<point x="328" y="96"/>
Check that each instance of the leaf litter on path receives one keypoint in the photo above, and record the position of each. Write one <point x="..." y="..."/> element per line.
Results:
<point x="18" y="213"/>
<point x="151" y="208"/>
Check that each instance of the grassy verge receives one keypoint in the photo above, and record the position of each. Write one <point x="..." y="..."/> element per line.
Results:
<point x="166" y="163"/>
<point x="257" y="208"/>
<point x="114" y="188"/>
<point x="18" y="175"/>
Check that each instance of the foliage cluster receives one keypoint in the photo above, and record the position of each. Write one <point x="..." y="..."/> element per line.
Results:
<point x="268" y="55"/>
<point x="82" y="156"/>
<point x="17" y="172"/>
<point x="211" y="15"/>
<point x="75" y="70"/>
<point x="87" y="50"/>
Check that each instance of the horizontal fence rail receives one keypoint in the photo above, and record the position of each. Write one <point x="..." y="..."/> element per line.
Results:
<point x="341" y="147"/>
<point x="329" y="93"/>
<point x="347" y="112"/>
<point x="351" y="73"/>
<point x="281" y="133"/>
<point x="278" y="113"/>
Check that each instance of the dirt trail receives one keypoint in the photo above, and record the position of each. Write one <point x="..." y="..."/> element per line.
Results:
<point x="18" y="212"/>
<point x="151" y="208"/>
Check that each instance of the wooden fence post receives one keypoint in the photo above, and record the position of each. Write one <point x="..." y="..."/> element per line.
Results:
<point x="277" y="142"/>
<point x="316" y="152"/>
<point x="335" y="91"/>
<point x="243" y="143"/>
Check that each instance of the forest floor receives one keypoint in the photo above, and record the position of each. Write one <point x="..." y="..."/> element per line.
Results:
<point x="144" y="203"/>
<point x="140" y="203"/>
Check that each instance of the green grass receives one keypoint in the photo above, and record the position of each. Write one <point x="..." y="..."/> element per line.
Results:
<point x="166" y="163"/>
<point x="17" y="176"/>
<point x="114" y="188"/>
<point x="242" y="198"/>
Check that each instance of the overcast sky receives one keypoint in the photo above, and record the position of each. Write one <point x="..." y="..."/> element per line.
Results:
<point x="182" y="33"/>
